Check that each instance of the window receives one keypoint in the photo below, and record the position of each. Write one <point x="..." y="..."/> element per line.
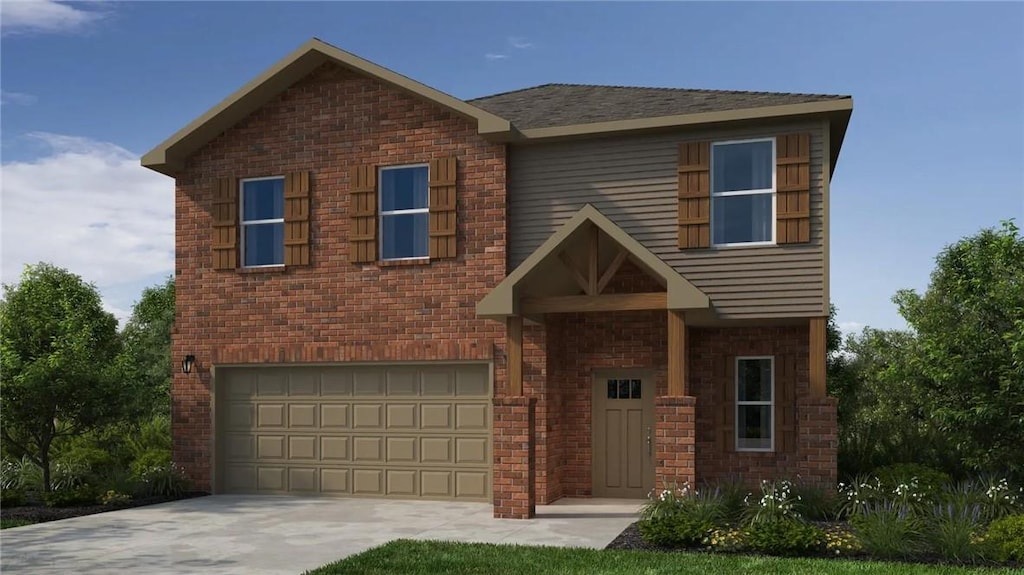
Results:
<point x="403" y="212"/>
<point x="262" y="222"/>
<point x="624" y="389"/>
<point x="754" y="403"/>
<point x="743" y="192"/>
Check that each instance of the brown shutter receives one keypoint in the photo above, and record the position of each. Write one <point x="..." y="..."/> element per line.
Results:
<point x="793" y="191"/>
<point x="695" y="195"/>
<point x="725" y="411"/>
<point x="296" y="219"/>
<point x="785" y="403"/>
<point x="225" y="223"/>
<point x="363" y="213"/>
<point x="442" y="207"/>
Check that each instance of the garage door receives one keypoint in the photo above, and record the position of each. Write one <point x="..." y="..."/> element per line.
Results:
<point x="383" y="431"/>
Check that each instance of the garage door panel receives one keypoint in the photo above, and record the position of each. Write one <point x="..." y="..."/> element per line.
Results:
<point x="302" y="447"/>
<point x="334" y="415"/>
<point x="402" y="382"/>
<point x="302" y="415"/>
<point x="304" y="383"/>
<point x="367" y="415"/>
<point x="269" y="415"/>
<point x="400" y="431"/>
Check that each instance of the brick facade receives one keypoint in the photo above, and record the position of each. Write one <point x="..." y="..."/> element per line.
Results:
<point x="332" y="310"/>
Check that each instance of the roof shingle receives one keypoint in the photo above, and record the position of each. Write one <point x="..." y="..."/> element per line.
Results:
<point x="551" y="105"/>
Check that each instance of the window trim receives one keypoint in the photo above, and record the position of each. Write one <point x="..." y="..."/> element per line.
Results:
<point x="242" y="222"/>
<point x="736" y="408"/>
<point x="381" y="213"/>
<point x="772" y="191"/>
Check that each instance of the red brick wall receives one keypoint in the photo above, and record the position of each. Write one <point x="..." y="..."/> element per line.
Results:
<point x="514" y="458"/>
<point x="708" y="348"/>
<point x="333" y="310"/>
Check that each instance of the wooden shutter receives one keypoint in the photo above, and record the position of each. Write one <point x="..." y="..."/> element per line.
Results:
<point x="695" y="195"/>
<point x="725" y="411"/>
<point x="793" y="191"/>
<point x="296" y="219"/>
<point x="363" y="213"/>
<point x="785" y="404"/>
<point x="225" y="223"/>
<point x="442" y="207"/>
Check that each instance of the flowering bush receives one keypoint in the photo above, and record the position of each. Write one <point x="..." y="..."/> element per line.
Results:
<point x="726" y="540"/>
<point x="840" y="541"/>
<point x="786" y="537"/>
<point x="681" y="516"/>
<point x="777" y="502"/>
<point x="112" y="497"/>
<point x="163" y="480"/>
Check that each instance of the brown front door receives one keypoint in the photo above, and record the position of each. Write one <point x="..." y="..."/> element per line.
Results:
<point x="623" y="434"/>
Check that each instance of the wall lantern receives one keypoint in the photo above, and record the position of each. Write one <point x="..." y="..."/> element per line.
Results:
<point x="187" y="363"/>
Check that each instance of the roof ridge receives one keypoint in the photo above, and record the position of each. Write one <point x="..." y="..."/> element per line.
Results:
<point x="664" y="88"/>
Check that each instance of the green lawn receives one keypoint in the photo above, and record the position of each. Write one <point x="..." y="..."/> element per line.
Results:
<point x="7" y="523"/>
<point x="423" y="557"/>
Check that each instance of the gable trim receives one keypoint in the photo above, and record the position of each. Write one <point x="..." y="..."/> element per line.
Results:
<point x="503" y="301"/>
<point x="169" y="156"/>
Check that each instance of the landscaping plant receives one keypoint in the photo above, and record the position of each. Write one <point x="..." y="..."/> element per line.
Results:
<point x="681" y="516"/>
<point x="1005" y="538"/>
<point x="951" y="532"/>
<point x="888" y="530"/>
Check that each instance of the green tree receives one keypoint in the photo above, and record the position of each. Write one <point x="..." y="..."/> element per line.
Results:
<point x="969" y="327"/>
<point x="147" y="338"/>
<point x="62" y="372"/>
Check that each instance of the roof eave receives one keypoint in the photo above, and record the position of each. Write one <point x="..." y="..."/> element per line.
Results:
<point x="168" y="157"/>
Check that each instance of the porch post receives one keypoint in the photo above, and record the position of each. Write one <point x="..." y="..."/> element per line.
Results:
<point x="675" y="424"/>
<point x="513" y="475"/>
<point x="817" y="441"/>
<point x="818" y="352"/>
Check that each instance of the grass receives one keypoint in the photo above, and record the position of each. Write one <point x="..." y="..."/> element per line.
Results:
<point x="8" y="523"/>
<point x="429" y="557"/>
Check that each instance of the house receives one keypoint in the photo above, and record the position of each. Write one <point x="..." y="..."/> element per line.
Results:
<point x="562" y="291"/>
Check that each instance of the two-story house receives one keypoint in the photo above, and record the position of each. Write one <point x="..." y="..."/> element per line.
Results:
<point x="562" y="291"/>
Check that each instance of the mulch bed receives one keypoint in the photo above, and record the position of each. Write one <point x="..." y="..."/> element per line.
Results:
<point x="631" y="539"/>
<point x="42" y="514"/>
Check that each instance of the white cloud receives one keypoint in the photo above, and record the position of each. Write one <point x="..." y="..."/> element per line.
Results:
<point x="519" y="43"/>
<point x="849" y="327"/>
<point x="17" y="98"/>
<point x="492" y="56"/>
<point x="22" y="16"/>
<point x="89" y="207"/>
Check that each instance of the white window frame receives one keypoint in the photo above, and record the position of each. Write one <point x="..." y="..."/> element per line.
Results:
<point x="243" y="223"/>
<point x="711" y="179"/>
<point x="771" y="404"/>
<point x="382" y="213"/>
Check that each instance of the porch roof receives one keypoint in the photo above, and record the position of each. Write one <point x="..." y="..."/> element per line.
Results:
<point x="537" y="273"/>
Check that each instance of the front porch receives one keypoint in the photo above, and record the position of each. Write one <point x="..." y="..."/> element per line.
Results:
<point x="593" y="310"/>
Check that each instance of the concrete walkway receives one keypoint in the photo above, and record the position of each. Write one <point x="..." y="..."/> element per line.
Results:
<point x="288" y="535"/>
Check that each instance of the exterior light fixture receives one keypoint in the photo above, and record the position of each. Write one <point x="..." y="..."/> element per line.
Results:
<point x="187" y="363"/>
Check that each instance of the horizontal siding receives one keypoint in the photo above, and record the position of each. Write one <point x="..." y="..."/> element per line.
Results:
<point x="633" y="181"/>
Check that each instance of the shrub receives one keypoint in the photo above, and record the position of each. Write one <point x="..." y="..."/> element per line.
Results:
<point x="68" y="475"/>
<point x="71" y="496"/>
<point x="21" y="474"/>
<point x="112" y="497"/>
<point x="929" y="481"/>
<point x="12" y="497"/>
<point x="164" y="481"/>
<point x="951" y="531"/>
<point x="815" y="503"/>
<point x="734" y="494"/>
<point x="681" y="517"/>
<point x="1000" y="498"/>
<point x="839" y="540"/>
<point x="1005" y="538"/>
<point x="887" y="530"/>
<point x="155" y="457"/>
<point x="776" y="503"/>
<point x="726" y="540"/>
<point x="787" y="537"/>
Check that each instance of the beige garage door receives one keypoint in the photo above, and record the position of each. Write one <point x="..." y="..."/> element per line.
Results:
<point x="383" y="431"/>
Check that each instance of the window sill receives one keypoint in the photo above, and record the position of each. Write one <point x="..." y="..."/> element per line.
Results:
<point x="263" y="270"/>
<point x="403" y="262"/>
<point x="743" y="245"/>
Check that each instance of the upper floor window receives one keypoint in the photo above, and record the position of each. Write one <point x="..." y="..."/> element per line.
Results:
<point x="743" y="192"/>
<point x="754" y="403"/>
<point x="404" y="212"/>
<point x="262" y="213"/>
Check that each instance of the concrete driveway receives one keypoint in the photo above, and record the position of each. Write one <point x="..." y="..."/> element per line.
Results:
<point x="262" y="534"/>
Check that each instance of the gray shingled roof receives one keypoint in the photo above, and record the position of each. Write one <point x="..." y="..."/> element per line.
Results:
<point x="551" y="105"/>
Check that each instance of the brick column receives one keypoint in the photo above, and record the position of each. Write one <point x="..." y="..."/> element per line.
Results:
<point x="675" y="436"/>
<point x="514" y="495"/>
<point x="818" y="440"/>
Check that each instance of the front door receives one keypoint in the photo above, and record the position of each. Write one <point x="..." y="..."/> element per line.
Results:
<point x="623" y="434"/>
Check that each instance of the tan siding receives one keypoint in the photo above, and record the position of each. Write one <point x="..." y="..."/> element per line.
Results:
<point x="633" y="180"/>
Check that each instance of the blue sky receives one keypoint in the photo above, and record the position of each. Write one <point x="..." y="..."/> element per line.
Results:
<point x="935" y="150"/>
